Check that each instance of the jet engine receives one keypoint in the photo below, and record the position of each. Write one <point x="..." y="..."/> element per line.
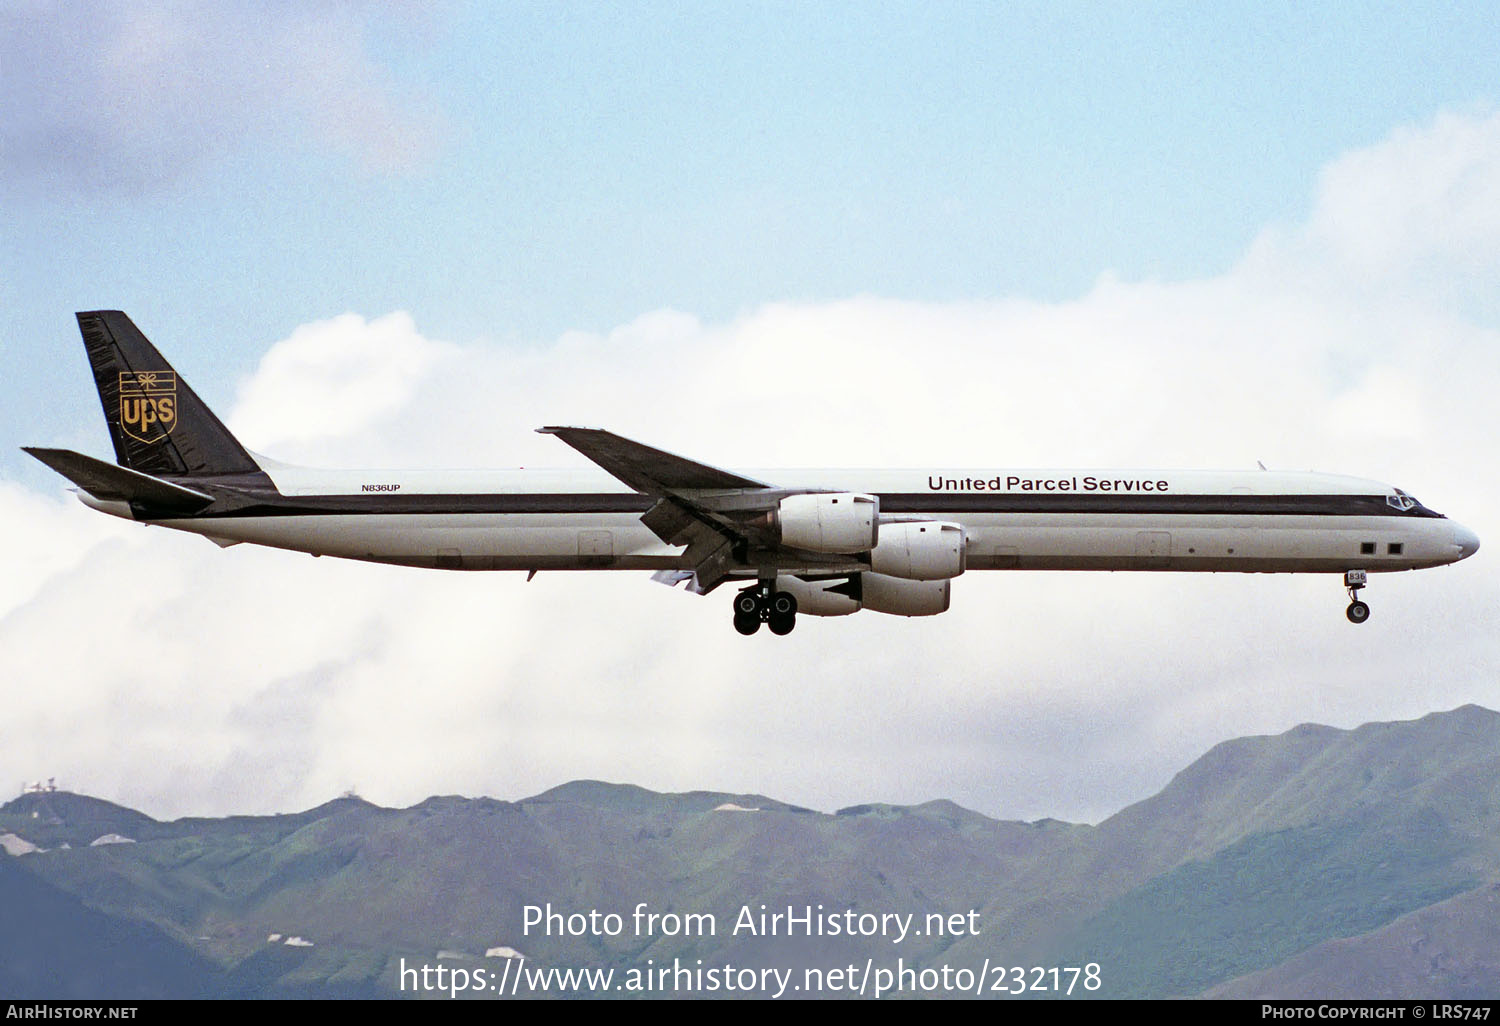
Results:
<point x="867" y="591"/>
<point x="842" y="522"/>
<point x="926" y="550"/>
<point x="821" y="598"/>
<point x="902" y="597"/>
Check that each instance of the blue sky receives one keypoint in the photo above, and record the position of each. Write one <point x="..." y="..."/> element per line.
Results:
<point x="573" y="166"/>
<point x="941" y="233"/>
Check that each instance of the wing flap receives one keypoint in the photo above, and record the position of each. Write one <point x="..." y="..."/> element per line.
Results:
<point x="669" y="521"/>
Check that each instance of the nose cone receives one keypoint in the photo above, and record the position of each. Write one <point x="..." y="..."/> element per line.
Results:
<point x="1466" y="540"/>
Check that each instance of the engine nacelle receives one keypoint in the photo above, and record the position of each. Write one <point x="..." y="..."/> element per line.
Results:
<point x="876" y="592"/>
<point x="816" y="598"/>
<point x="926" y="550"/>
<point x="902" y="597"/>
<point x="842" y="522"/>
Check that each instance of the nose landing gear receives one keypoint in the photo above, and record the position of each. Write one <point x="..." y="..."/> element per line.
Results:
<point x="1358" y="612"/>
<point x="762" y="603"/>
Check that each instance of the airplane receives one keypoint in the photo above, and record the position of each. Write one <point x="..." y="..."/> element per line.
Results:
<point x="823" y="543"/>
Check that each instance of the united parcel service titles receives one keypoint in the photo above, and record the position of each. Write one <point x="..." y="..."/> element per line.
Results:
<point x="1015" y="483"/>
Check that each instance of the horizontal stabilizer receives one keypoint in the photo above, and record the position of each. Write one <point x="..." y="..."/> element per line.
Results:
<point x="119" y="484"/>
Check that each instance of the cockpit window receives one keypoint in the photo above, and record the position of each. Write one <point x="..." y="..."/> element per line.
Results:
<point x="1401" y="501"/>
<point x="1408" y="504"/>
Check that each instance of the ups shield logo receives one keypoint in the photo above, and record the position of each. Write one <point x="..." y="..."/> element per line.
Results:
<point x="148" y="404"/>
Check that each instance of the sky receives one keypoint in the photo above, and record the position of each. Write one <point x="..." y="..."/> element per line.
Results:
<point x="760" y="235"/>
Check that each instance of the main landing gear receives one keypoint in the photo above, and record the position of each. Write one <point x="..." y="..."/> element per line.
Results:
<point x="762" y="603"/>
<point x="1357" y="612"/>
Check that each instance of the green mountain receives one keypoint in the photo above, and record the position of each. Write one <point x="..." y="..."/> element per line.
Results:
<point x="1442" y="950"/>
<point x="55" y="946"/>
<point x="1267" y="865"/>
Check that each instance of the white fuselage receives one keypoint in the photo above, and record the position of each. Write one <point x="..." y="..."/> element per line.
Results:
<point x="1013" y="519"/>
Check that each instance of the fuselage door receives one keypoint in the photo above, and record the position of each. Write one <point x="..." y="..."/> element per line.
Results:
<point x="596" y="548"/>
<point x="1153" y="549"/>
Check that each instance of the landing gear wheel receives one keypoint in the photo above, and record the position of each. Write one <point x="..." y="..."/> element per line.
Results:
<point x="782" y="612"/>
<point x="749" y="611"/>
<point x="763" y="604"/>
<point x="1354" y="580"/>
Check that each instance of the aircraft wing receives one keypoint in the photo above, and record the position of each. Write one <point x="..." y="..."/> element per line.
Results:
<point x="647" y="470"/>
<point x="718" y="515"/>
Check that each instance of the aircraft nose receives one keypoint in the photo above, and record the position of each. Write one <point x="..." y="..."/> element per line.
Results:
<point x="1466" y="540"/>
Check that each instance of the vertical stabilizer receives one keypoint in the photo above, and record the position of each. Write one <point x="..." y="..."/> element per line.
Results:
<point x="157" y="423"/>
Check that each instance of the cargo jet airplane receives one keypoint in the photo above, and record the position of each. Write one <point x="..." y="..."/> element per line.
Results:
<point x="825" y="543"/>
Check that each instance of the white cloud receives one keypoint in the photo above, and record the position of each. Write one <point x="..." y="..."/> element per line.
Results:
<point x="334" y="378"/>
<point x="155" y="668"/>
<point x="1424" y="200"/>
<point x="60" y="535"/>
<point x="112" y="95"/>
